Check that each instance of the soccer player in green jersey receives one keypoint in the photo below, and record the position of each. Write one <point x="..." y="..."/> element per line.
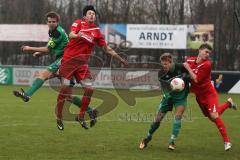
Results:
<point x="170" y="98"/>
<point x="58" y="39"/>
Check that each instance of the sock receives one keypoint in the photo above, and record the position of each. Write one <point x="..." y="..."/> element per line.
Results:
<point x="62" y="96"/>
<point x="85" y="102"/>
<point x="154" y="126"/>
<point x="60" y="103"/>
<point x="88" y="91"/>
<point x="219" y="123"/>
<point x="223" y="107"/>
<point x="176" y="129"/>
<point x="77" y="101"/>
<point x="35" y="86"/>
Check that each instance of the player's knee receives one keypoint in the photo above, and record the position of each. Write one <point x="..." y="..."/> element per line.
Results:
<point x="44" y="75"/>
<point x="213" y="116"/>
<point x="88" y="87"/>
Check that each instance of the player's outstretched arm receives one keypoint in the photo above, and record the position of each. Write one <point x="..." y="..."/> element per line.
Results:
<point x="35" y="49"/>
<point x="190" y="71"/>
<point x="109" y="50"/>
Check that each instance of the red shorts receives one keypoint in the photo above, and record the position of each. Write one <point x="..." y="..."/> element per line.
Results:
<point x="74" y="67"/>
<point x="208" y="103"/>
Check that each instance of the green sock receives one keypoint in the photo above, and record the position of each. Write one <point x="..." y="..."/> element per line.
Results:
<point x="35" y="86"/>
<point x="154" y="126"/>
<point x="77" y="101"/>
<point x="176" y="129"/>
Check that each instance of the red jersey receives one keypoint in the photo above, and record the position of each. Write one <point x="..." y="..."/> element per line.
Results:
<point x="203" y="73"/>
<point x="82" y="47"/>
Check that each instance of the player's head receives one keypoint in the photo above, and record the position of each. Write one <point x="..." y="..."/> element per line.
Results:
<point x="52" y="20"/>
<point x="166" y="60"/>
<point x="89" y="13"/>
<point x="204" y="51"/>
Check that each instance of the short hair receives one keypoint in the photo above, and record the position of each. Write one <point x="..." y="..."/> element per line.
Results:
<point x="206" y="46"/>
<point x="53" y="14"/>
<point x="87" y="8"/>
<point x="166" y="57"/>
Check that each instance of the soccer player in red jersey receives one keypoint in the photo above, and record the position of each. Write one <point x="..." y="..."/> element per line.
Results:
<point x="84" y="35"/>
<point x="206" y="94"/>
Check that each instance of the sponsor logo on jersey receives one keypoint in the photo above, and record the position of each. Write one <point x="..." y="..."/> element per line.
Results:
<point x="51" y="43"/>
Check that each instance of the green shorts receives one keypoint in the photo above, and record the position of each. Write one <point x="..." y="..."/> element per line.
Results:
<point x="54" y="66"/>
<point x="167" y="103"/>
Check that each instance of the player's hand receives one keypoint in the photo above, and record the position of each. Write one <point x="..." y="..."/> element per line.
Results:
<point x="25" y="48"/>
<point x="79" y="34"/>
<point x="36" y="54"/>
<point x="186" y="65"/>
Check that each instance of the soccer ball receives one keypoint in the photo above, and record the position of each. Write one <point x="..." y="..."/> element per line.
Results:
<point x="177" y="84"/>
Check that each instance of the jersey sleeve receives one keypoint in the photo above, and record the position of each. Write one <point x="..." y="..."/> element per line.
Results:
<point x="203" y="72"/>
<point x="101" y="40"/>
<point x="54" y="40"/>
<point x="76" y="26"/>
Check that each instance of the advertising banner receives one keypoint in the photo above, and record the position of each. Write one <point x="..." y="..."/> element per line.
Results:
<point x="125" y="79"/>
<point x="25" y="32"/>
<point x="157" y="36"/>
<point x="6" y="75"/>
<point x="25" y="76"/>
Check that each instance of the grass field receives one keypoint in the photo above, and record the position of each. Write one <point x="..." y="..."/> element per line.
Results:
<point x="28" y="131"/>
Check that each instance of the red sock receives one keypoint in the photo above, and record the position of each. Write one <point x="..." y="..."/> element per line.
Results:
<point x="63" y="94"/>
<point x="84" y="104"/>
<point x="219" y="123"/>
<point x="85" y="101"/>
<point x="223" y="107"/>
<point x="60" y="103"/>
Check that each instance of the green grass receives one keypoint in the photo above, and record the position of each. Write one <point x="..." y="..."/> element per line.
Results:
<point x="28" y="131"/>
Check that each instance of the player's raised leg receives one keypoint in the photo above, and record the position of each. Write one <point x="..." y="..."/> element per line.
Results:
<point x="38" y="82"/>
<point x="229" y="104"/>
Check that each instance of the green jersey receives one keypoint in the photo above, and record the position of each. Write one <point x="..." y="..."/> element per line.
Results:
<point x="177" y="70"/>
<point x="58" y="39"/>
